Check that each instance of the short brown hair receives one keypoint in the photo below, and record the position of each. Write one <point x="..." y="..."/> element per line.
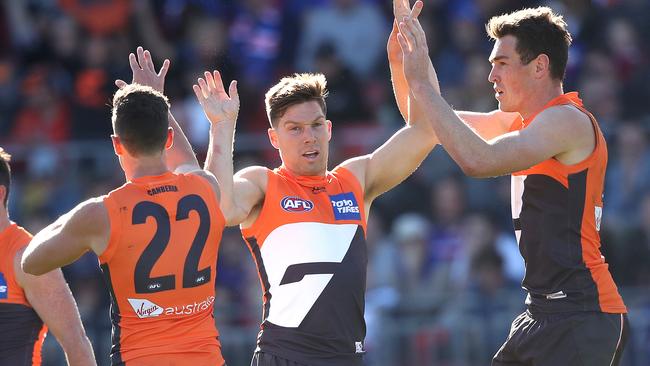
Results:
<point x="5" y="172"/>
<point x="292" y="90"/>
<point x="140" y="119"/>
<point x="537" y="30"/>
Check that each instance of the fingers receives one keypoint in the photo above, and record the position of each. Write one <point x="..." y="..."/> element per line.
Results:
<point x="164" y="69"/>
<point x="209" y="79"/>
<point x="140" y="54"/>
<point x="403" y="43"/>
<point x="204" y="88"/>
<point x="407" y="31"/>
<point x="199" y="93"/>
<point x="421" y="37"/>
<point x="148" y="61"/>
<point x="232" y="90"/>
<point x="134" y="63"/>
<point x="120" y="83"/>
<point x="417" y="9"/>
<point x="219" y="82"/>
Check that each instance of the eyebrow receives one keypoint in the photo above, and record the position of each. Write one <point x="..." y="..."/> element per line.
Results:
<point x="498" y="58"/>
<point x="321" y="117"/>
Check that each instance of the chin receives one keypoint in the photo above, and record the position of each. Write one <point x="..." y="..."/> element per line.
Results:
<point x="506" y="108"/>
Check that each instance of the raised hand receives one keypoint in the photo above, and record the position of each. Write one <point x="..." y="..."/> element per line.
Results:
<point x="144" y="72"/>
<point x="217" y="105"/>
<point x="413" y="43"/>
<point x="401" y="10"/>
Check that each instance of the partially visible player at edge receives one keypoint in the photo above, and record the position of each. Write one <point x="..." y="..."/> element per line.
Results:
<point x="305" y="225"/>
<point x="156" y="237"/>
<point x="30" y="305"/>
<point x="557" y="156"/>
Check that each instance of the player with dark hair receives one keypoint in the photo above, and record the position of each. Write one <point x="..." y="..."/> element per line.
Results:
<point x="156" y="237"/>
<point x="557" y="156"/>
<point x="30" y="305"/>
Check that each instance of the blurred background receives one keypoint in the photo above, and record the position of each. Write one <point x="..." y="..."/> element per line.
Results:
<point x="444" y="269"/>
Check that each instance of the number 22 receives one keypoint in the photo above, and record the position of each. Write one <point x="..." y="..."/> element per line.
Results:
<point x="192" y="277"/>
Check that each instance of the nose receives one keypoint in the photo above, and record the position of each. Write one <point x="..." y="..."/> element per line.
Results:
<point x="309" y="135"/>
<point x="492" y="76"/>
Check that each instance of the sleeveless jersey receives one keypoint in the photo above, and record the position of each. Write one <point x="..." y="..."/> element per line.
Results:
<point x="309" y="247"/>
<point x="21" y="330"/>
<point x="159" y="266"/>
<point x="556" y="212"/>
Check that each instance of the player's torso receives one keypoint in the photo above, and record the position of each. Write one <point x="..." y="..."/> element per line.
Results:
<point x="309" y="246"/>
<point x="556" y="212"/>
<point x="21" y="330"/>
<point x="160" y="266"/>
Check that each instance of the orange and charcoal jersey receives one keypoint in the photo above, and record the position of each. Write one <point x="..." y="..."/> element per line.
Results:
<point x="160" y="267"/>
<point x="21" y="330"/>
<point x="556" y="212"/>
<point x="309" y="247"/>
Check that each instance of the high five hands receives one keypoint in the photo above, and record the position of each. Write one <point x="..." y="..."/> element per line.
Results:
<point x="413" y="44"/>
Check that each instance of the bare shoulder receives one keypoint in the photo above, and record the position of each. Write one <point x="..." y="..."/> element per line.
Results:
<point x="89" y="220"/>
<point x="357" y="166"/>
<point x="568" y="120"/>
<point x="258" y="175"/>
<point x="91" y="211"/>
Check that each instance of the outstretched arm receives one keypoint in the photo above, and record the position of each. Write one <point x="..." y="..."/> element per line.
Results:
<point x="398" y="157"/>
<point x="180" y="157"/>
<point x="487" y="125"/>
<point x="52" y="300"/>
<point x="556" y="132"/>
<point x="238" y="194"/>
<point x="401" y="10"/>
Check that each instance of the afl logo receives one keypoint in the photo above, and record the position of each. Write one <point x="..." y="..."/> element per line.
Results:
<point x="296" y="204"/>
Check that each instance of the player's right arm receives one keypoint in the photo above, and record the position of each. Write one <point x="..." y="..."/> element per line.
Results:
<point x="180" y="158"/>
<point x="52" y="300"/>
<point x="86" y="227"/>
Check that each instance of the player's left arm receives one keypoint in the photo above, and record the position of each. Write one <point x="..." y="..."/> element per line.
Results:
<point x="562" y="131"/>
<point x="86" y="227"/>
<point x="396" y="159"/>
<point x="52" y="300"/>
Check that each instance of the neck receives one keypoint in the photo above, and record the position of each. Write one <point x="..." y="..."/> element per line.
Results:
<point x="321" y="174"/>
<point x="537" y="100"/>
<point x="4" y="219"/>
<point x="144" y="166"/>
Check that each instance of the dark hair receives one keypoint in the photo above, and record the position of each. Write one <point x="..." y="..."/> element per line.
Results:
<point x="140" y="119"/>
<point x="537" y="30"/>
<point x="292" y="90"/>
<point x="5" y="173"/>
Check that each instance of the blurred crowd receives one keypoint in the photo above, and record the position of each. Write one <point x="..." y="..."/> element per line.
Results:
<point x="439" y="245"/>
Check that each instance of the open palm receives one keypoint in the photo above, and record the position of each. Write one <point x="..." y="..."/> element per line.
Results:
<point x="144" y="72"/>
<point x="217" y="105"/>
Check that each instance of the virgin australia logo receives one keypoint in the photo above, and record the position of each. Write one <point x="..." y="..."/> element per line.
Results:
<point x="145" y="308"/>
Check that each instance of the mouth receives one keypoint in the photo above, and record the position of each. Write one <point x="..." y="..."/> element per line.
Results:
<point x="311" y="155"/>
<point x="498" y="92"/>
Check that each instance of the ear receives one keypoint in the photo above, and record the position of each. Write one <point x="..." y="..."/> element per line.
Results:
<point x="542" y="65"/>
<point x="273" y="137"/>
<point x="3" y="194"/>
<point x="329" y="129"/>
<point x="170" y="138"/>
<point x="117" y="145"/>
